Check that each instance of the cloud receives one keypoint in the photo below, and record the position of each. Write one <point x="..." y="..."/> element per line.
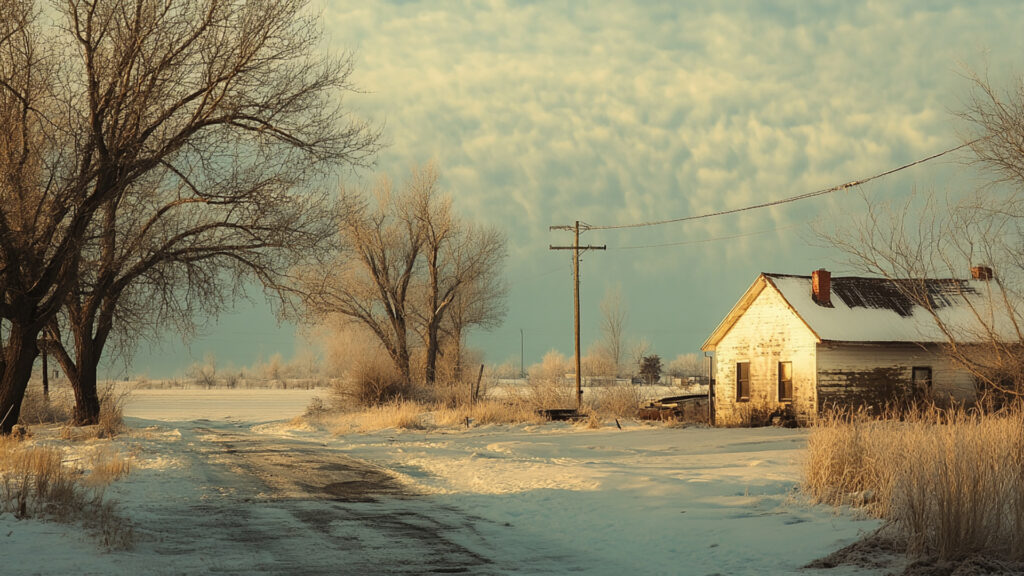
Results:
<point x="610" y="112"/>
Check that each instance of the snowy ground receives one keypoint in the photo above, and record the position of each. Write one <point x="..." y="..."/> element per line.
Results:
<point x="223" y="485"/>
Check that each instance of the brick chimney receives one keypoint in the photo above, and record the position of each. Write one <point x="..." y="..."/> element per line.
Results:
<point x="981" y="272"/>
<point x="821" y="286"/>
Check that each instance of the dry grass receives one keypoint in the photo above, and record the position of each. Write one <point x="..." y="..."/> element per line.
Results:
<point x="36" y="482"/>
<point x="105" y="467"/>
<point x="485" y="412"/>
<point x="399" y="415"/>
<point x="951" y="481"/>
<point x="550" y="393"/>
<point x="111" y="421"/>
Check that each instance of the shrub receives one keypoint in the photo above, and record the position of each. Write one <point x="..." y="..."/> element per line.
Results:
<point x="372" y="384"/>
<point x="619" y="401"/>
<point x="111" y="421"/>
<point x="37" y="409"/>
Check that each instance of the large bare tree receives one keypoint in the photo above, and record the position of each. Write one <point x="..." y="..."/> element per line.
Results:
<point x="410" y="265"/>
<point x="46" y="197"/>
<point x="462" y="277"/>
<point x="371" y="281"/>
<point x="190" y="129"/>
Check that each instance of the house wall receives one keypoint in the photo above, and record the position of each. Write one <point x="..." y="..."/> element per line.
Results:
<point x="769" y="332"/>
<point x="870" y="375"/>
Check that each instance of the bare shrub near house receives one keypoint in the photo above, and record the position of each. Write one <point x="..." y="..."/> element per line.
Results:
<point x="951" y="481"/>
<point x="548" y="387"/>
<point x="621" y="401"/>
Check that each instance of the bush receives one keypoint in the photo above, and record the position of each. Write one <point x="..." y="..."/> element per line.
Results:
<point x="372" y="384"/>
<point x="619" y="401"/>
<point x="951" y="481"/>
<point x="37" y="409"/>
<point x="111" y="421"/>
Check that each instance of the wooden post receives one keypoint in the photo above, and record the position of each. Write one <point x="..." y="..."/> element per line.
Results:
<point x="576" y="248"/>
<point x="479" y="377"/>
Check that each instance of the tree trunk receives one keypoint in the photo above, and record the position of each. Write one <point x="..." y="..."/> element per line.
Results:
<point x="19" y="356"/>
<point x="46" y="378"/>
<point x="432" y="345"/>
<point x="402" y="362"/>
<point x="87" y="400"/>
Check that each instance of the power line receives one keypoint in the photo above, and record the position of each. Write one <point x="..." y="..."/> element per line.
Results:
<point x="703" y="240"/>
<point x="821" y="192"/>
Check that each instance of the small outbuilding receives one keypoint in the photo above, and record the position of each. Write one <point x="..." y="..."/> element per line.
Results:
<point x="798" y="344"/>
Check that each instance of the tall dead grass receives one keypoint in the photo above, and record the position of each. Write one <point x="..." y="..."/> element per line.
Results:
<point x="951" y="481"/>
<point x="36" y="482"/>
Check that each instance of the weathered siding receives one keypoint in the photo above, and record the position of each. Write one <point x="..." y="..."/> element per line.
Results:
<point x="768" y="333"/>
<point x="870" y="375"/>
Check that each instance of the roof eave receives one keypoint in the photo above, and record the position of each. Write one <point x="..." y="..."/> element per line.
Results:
<point x="734" y="314"/>
<point x="792" y="309"/>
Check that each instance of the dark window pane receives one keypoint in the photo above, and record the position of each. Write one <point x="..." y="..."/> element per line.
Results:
<point x="743" y="381"/>
<point x="785" y="381"/>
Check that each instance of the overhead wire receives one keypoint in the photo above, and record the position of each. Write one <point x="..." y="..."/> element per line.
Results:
<point x="704" y="240"/>
<point x="804" y="196"/>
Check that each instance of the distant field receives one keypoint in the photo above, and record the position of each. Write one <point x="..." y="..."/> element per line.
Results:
<point x="250" y="405"/>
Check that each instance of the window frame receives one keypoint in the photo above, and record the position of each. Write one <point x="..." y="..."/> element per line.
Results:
<point x="743" y="384"/>
<point x="915" y="383"/>
<point x="783" y="397"/>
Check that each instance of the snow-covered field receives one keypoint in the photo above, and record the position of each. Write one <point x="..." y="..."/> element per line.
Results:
<point x="222" y="484"/>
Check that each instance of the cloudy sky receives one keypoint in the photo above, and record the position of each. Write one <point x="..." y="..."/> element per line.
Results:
<point x="543" y="113"/>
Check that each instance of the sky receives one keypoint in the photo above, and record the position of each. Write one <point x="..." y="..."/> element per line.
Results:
<point x="610" y="113"/>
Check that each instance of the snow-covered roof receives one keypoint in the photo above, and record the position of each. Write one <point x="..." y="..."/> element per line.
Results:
<point x="881" y="310"/>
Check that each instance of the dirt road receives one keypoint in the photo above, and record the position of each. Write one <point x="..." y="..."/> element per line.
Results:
<point x="272" y="505"/>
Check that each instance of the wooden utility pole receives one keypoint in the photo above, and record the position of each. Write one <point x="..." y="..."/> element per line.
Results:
<point x="576" y="248"/>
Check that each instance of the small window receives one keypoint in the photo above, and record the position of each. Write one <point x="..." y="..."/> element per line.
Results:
<point x="785" y="381"/>
<point x="922" y="380"/>
<point x="742" y="381"/>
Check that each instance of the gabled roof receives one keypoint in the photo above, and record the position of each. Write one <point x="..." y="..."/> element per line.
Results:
<point x="879" y="309"/>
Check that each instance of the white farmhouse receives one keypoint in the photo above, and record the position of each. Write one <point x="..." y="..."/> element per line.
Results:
<point x="802" y="343"/>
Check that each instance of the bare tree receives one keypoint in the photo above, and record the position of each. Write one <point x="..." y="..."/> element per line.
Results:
<point x="46" y="200"/>
<point x="462" y="265"/>
<point x="929" y="238"/>
<point x="685" y="365"/>
<point x="613" y="325"/>
<point x="410" y="264"/>
<point x="370" y="282"/>
<point x="479" y="304"/>
<point x="638" y="351"/>
<point x="193" y="126"/>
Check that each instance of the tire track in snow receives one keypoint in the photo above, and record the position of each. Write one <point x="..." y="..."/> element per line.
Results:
<point x="289" y="506"/>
